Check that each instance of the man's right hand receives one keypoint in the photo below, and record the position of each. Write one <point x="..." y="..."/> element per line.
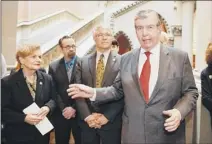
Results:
<point x="92" y="120"/>
<point x="80" y="91"/>
<point x="32" y="119"/>
<point x="69" y="112"/>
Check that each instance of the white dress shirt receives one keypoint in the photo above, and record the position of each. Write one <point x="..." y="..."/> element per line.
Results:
<point x="154" y="62"/>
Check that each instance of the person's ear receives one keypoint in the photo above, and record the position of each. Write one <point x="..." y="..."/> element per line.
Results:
<point x="22" y="60"/>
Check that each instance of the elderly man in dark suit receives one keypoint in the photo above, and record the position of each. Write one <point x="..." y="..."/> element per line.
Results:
<point x="63" y="73"/>
<point x="157" y="84"/>
<point x="99" y="69"/>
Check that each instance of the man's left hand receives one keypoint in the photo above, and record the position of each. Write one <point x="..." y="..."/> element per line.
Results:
<point x="102" y="120"/>
<point x="173" y="122"/>
<point x="92" y="120"/>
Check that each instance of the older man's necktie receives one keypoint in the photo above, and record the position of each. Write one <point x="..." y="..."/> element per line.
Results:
<point x="145" y="76"/>
<point x="100" y="71"/>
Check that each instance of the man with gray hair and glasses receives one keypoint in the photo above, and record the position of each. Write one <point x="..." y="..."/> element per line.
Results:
<point x="100" y="123"/>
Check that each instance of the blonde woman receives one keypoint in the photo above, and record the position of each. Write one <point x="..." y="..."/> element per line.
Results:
<point x="206" y="81"/>
<point x="21" y="89"/>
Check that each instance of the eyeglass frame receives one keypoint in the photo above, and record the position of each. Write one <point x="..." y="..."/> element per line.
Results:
<point x="104" y="34"/>
<point x="68" y="47"/>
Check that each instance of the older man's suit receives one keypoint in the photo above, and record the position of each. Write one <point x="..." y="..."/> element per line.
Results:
<point x="175" y="88"/>
<point x="110" y="133"/>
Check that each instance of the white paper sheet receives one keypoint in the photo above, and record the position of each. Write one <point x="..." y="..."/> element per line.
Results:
<point x="43" y="126"/>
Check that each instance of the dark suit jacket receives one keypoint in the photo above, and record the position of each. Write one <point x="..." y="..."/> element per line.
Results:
<point x="59" y="75"/>
<point x="86" y="74"/>
<point x="206" y="84"/>
<point x="16" y="97"/>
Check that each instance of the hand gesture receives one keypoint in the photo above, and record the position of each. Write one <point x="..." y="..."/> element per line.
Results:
<point x="173" y="122"/>
<point x="80" y="91"/>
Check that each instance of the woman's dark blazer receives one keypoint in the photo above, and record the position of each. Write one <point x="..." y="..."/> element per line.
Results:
<point x="16" y="97"/>
<point x="206" y="84"/>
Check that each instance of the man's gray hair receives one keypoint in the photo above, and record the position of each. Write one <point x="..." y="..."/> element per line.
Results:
<point x="144" y="14"/>
<point x="98" y="28"/>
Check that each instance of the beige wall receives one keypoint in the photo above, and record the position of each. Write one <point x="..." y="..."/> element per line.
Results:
<point x="30" y="10"/>
<point x="23" y="11"/>
<point x="9" y="21"/>
<point x="203" y="31"/>
<point x="203" y="34"/>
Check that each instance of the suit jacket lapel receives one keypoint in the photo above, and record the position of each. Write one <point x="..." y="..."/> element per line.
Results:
<point x="39" y="86"/>
<point x="63" y="71"/>
<point x="163" y="70"/>
<point x="134" y="70"/>
<point x="92" y="68"/>
<point x="21" y="84"/>
<point x="109" y="66"/>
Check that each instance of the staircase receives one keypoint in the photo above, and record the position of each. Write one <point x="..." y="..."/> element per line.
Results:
<point x="47" y="31"/>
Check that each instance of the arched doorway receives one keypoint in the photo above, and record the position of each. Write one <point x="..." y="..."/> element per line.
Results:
<point x="124" y="42"/>
<point x="164" y="24"/>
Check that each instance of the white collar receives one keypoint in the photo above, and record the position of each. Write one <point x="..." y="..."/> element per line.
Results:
<point x="154" y="50"/>
<point x="105" y="53"/>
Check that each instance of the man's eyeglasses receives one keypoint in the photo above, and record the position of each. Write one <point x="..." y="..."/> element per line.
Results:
<point x="103" y="35"/>
<point x="68" y="46"/>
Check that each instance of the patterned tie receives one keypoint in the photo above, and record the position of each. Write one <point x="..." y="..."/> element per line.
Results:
<point x="100" y="71"/>
<point x="145" y="76"/>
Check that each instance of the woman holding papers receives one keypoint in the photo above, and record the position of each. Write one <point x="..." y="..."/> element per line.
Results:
<point x="22" y="90"/>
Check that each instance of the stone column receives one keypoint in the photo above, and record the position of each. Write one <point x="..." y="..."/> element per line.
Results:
<point x="187" y="27"/>
<point x="9" y="23"/>
<point x="203" y="31"/>
<point x="203" y="37"/>
<point x="187" y="45"/>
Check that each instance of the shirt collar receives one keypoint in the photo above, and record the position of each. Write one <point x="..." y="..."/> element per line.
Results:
<point x="106" y="53"/>
<point x="154" y="50"/>
<point x="70" y="62"/>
